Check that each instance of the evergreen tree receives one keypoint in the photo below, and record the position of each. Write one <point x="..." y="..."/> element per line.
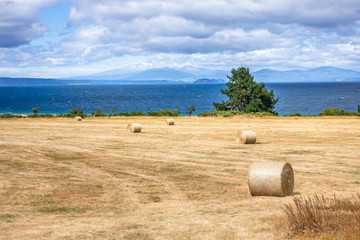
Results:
<point x="245" y="94"/>
<point x="190" y="110"/>
<point x="35" y="111"/>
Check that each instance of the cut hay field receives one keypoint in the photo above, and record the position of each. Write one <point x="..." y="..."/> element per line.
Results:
<point x="64" y="179"/>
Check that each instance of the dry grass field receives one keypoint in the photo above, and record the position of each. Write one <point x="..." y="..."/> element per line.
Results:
<point x="63" y="179"/>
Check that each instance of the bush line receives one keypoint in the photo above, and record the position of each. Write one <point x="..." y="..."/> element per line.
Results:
<point x="176" y="113"/>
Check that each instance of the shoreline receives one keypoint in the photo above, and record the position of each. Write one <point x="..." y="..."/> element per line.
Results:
<point x="245" y="116"/>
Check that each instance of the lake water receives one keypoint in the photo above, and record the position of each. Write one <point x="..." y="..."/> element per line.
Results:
<point x="304" y="98"/>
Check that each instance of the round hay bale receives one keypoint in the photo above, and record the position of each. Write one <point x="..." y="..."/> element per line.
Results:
<point x="247" y="137"/>
<point x="134" y="128"/>
<point x="170" y="121"/>
<point x="271" y="179"/>
<point x="78" y="118"/>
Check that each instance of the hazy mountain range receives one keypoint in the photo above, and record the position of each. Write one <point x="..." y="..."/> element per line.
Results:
<point x="199" y="76"/>
<point x="321" y="74"/>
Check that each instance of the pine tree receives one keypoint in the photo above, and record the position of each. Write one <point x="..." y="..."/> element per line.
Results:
<point x="245" y="94"/>
<point x="190" y="109"/>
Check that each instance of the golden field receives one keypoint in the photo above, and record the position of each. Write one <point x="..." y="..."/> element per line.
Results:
<point x="63" y="179"/>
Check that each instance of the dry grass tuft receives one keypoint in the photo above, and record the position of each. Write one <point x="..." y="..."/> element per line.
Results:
<point x="324" y="217"/>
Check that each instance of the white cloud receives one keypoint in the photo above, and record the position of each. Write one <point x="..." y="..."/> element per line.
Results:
<point x="213" y="26"/>
<point x="18" y="21"/>
<point x="221" y="34"/>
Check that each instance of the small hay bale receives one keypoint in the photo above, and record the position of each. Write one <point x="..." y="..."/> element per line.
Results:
<point x="78" y="118"/>
<point x="271" y="179"/>
<point x="247" y="137"/>
<point x="134" y="128"/>
<point x="170" y="121"/>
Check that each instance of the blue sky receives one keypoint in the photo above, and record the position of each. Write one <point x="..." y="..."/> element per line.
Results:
<point x="62" y="38"/>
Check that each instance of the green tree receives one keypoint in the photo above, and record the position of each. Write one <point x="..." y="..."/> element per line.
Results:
<point x="35" y="111"/>
<point x="92" y="113"/>
<point x="111" y="112"/>
<point x="190" y="109"/>
<point x="245" y="94"/>
<point x="77" y="112"/>
<point x="358" y="108"/>
<point x="99" y="113"/>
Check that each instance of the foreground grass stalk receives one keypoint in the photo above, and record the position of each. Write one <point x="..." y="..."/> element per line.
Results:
<point x="319" y="215"/>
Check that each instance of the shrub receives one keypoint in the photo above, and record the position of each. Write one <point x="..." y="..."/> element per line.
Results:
<point x="337" y="112"/>
<point x="216" y="113"/>
<point x="162" y="113"/>
<point x="165" y="112"/>
<point x="321" y="215"/>
<point x="9" y="115"/>
<point x="76" y="112"/>
<point x="40" y="116"/>
<point x="99" y="113"/>
<point x="261" y="114"/>
<point x="296" y="115"/>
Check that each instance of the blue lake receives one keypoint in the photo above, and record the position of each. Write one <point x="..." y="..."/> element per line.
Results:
<point x="304" y="98"/>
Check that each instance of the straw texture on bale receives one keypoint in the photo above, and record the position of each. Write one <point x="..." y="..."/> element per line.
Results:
<point x="247" y="137"/>
<point x="78" y="118"/>
<point x="170" y="121"/>
<point x="134" y="128"/>
<point x="271" y="179"/>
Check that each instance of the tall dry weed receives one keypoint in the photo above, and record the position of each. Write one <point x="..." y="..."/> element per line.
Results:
<point x="320" y="215"/>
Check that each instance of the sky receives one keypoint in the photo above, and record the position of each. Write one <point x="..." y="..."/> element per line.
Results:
<point x="64" y="38"/>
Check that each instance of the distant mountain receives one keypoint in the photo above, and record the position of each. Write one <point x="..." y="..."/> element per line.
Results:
<point x="321" y="74"/>
<point x="206" y="73"/>
<point x="189" y="75"/>
<point x="162" y="74"/>
<point x="4" y="81"/>
<point x="115" y="74"/>
<point x="56" y="82"/>
<point x="208" y="81"/>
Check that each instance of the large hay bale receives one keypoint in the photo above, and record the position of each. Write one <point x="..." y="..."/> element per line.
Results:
<point x="247" y="137"/>
<point x="271" y="179"/>
<point x="134" y="128"/>
<point x="78" y="118"/>
<point x="170" y="121"/>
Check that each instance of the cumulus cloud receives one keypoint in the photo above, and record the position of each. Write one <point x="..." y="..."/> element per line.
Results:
<point x="185" y="26"/>
<point x="214" y="34"/>
<point x="18" y="21"/>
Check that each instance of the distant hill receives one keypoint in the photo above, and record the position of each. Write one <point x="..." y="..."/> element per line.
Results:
<point x="321" y="74"/>
<point x="4" y="81"/>
<point x="115" y="74"/>
<point x="189" y="74"/>
<point x="197" y="76"/>
<point x="58" y="82"/>
<point x="161" y="74"/>
<point x="208" y="81"/>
